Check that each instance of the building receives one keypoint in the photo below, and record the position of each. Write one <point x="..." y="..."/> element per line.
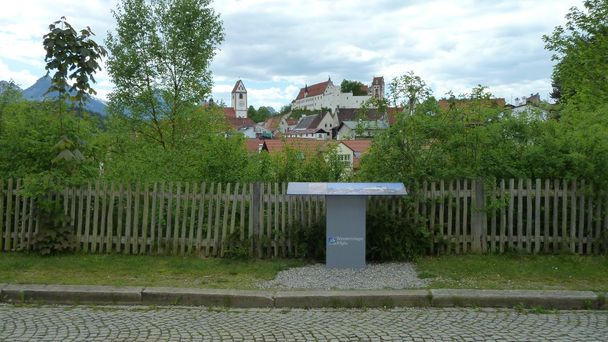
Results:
<point x="317" y="126"/>
<point x="351" y="151"/>
<point x="239" y="99"/>
<point x="327" y="95"/>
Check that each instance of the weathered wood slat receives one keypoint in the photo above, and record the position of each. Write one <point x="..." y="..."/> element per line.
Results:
<point x="449" y="225"/>
<point x="216" y="225"/>
<point x="104" y="212"/>
<point x="442" y="199"/>
<point x="520" y="213"/>
<point x="192" y="228"/>
<point x="169" y="221"/>
<point x="175" y="228"/>
<point x="3" y="194"/>
<point x="554" y="228"/>
<point x="159" y="230"/>
<point x="119" y="222"/>
<point x="15" y="228"/>
<point x="503" y="216"/>
<point x="573" y="203"/>
<point x="564" y="214"/>
<point x="201" y="215"/>
<point x="547" y="222"/>
<point x="143" y="245"/>
<point x="589" y="231"/>
<point x="242" y="216"/>
<point x="529" y="219"/>
<point x="209" y="220"/>
<point x="581" y="218"/>
<point x="94" y="232"/>
<point x="87" y="218"/>
<point x="110" y="219"/>
<point x="128" y="222"/>
<point x="226" y="202"/>
<point x="537" y="216"/>
<point x="184" y="228"/>
<point x="457" y="229"/>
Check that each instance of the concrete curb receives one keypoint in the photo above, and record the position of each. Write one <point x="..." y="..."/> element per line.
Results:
<point x="207" y="297"/>
<point x="71" y="294"/>
<point x="351" y="299"/>
<point x="107" y="295"/>
<point x="515" y="298"/>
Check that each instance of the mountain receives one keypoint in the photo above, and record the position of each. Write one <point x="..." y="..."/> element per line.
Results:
<point x="37" y="92"/>
<point x="5" y="85"/>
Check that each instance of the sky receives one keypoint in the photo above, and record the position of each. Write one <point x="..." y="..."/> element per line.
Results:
<point x="277" y="47"/>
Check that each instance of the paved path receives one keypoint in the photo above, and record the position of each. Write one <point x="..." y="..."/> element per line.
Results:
<point x="121" y="323"/>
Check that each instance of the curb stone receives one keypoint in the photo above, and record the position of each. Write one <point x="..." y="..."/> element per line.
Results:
<point x="207" y="297"/>
<point x="71" y="294"/>
<point x="513" y="298"/>
<point x="108" y="295"/>
<point x="351" y="299"/>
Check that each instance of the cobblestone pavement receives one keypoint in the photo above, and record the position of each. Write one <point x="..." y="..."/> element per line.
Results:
<point x="120" y="323"/>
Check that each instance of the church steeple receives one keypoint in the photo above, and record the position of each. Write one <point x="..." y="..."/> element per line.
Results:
<point x="239" y="99"/>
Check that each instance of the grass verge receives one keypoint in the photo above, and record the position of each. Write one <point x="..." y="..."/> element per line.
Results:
<point x="124" y="270"/>
<point x="537" y="272"/>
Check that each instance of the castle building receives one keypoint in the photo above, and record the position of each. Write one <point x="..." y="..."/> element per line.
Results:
<point x="328" y="95"/>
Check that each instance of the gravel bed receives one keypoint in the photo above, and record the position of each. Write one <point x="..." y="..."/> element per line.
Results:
<point x="372" y="277"/>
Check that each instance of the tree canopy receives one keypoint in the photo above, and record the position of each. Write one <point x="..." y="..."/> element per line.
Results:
<point x="159" y="64"/>
<point x="356" y="87"/>
<point x="580" y="48"/>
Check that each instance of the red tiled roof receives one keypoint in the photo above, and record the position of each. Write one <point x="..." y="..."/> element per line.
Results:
<point x="272" y="123"/>
<point x="350" y="114"/>
<point x="229" y="112"/>
<point x="358" y="146"/>
<point x="236" y="86"/>
<point x="392" y="114"/>
<point x="253" y="145"/>
<point x="292" y="122"/>
<point x="304" y="145"/>
<point x="464" y="104"/>
<point x="313" y="90"/>
<point x="234" y="122"/>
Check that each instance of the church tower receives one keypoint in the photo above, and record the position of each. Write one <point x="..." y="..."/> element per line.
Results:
<point x="377" y="88"/>
<point x="239" y="99"/>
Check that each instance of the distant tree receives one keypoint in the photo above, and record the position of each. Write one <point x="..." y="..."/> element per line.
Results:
<point x="580" y="48"/>
<point x="285" y="110"/>
<point x="407" y="91"/>
<point x="356" y="87"/>
<point x="251" y="112"/>
<point x="159" y="64"/>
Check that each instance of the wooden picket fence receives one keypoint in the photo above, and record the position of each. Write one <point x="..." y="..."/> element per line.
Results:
<point x="211" y="219"/>
<point x="549" y="216"/>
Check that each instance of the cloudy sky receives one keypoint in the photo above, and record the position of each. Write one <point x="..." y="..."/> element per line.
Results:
<point x="278" y="46"/>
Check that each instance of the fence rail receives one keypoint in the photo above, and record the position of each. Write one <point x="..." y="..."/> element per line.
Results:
<point x="207" y="219"/>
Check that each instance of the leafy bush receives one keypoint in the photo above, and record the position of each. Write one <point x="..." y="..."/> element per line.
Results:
<point x="310" y="241"/>
<point x="395" y="237"/>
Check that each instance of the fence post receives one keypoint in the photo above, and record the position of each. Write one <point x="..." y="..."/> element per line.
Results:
<point x="255" y="217"/>
<point x="480" y="218"/>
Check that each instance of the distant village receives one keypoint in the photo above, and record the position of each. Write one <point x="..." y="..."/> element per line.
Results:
<point x="332" y="118"/>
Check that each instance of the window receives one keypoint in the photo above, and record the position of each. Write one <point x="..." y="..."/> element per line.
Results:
<point x="241" y="96"/>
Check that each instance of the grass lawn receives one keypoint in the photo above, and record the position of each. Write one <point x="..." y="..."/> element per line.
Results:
<point x="550" y="272"/>
<point x="122" y="270"/>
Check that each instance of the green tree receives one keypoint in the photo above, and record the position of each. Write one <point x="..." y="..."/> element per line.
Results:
<point x="260" y="115"/>
<point x="356" y="87"/>
<point x="580" y="49"/>
<point x="159" y="64"/>
<point x="407" y="91"/>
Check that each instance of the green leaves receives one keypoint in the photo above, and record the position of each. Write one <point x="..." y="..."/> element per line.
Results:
<point x="74" y="58"/>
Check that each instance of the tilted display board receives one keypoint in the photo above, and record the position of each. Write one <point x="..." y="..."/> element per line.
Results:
<point x="345" y="207"/>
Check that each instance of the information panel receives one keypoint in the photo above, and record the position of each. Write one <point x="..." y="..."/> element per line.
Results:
<point x="346" y="189"/>
<point x="345" y="205"/>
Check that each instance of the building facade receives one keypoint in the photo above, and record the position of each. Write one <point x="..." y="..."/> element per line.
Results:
<point x="327" y="95"/>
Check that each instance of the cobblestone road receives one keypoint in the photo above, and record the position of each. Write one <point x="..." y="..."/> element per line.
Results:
<point x="119" y="323"/>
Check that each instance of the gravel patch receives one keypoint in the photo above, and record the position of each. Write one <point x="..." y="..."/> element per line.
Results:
<point x="372" y="277"/>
